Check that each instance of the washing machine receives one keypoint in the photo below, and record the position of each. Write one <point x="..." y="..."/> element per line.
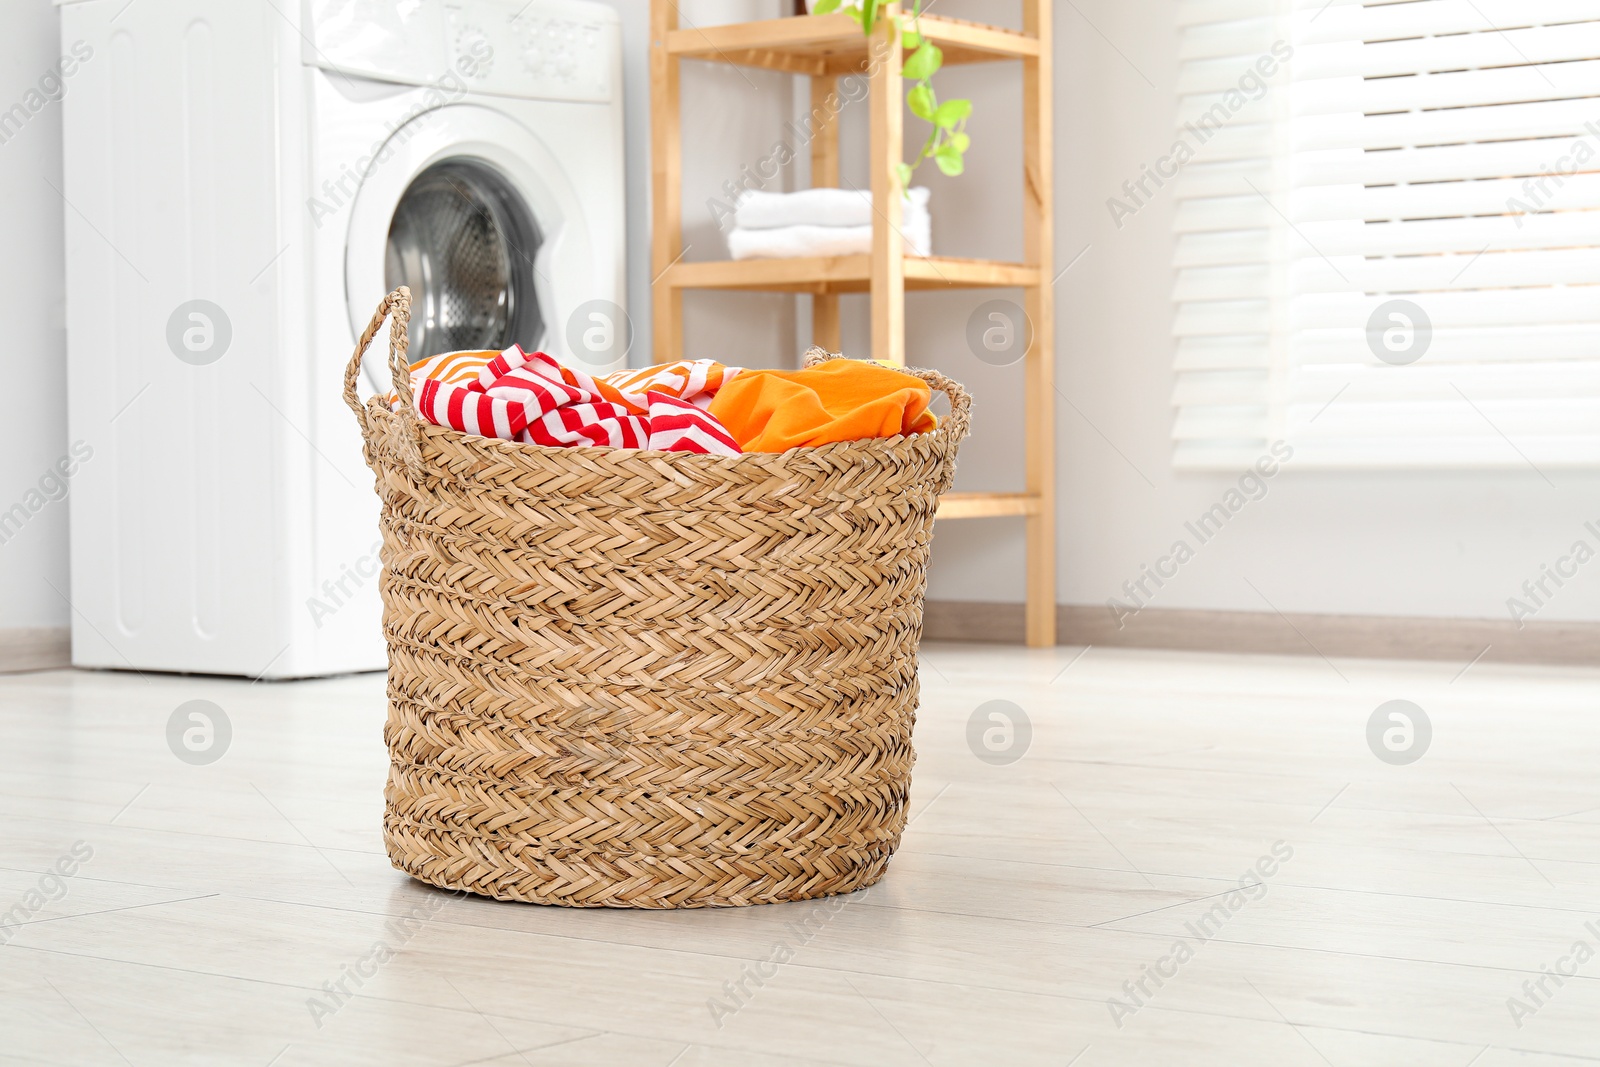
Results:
<point x="245" y="181"/>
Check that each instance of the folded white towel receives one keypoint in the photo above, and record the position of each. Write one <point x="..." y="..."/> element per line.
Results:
<point x="791" y="242"/>
<point x="818" y="207"/>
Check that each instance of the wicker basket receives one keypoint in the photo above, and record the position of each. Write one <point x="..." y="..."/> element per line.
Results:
<point x="626" y="678"/>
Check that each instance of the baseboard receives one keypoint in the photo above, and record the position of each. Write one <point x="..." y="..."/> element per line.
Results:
<point x="1352" y="636"/>
<point x="42" y="648"/>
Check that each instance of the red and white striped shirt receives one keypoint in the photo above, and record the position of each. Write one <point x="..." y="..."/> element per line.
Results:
<point x="532" y="398"/>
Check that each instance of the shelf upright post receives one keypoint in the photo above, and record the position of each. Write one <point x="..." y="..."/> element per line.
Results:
<point x="888" y="150"/>
<point x="1038" y="228"/>
<point x="825" y="328"/>
<point x="666" y="177"/>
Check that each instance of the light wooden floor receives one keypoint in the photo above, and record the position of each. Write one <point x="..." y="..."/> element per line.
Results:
<point x="219" y="899"/>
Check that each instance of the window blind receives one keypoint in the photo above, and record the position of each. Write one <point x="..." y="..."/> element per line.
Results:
<point x="1421" y="288"/>
<point x="1230" y="295"/>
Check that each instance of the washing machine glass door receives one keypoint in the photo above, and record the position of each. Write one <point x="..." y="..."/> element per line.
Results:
<point x="464" y="241"/>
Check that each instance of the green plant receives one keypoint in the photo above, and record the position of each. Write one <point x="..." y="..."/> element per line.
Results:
<point x="948" y="141"/>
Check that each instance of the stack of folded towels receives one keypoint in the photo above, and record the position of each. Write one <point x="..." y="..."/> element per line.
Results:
<point x="691" y="406"/>
<point x="821" y="222"/>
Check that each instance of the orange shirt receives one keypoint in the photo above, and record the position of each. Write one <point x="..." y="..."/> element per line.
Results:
<point x="841" y="400"/>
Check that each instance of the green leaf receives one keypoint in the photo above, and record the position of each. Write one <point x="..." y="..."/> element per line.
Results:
<point x="903" y="171"/>
<point x="950" y="160"/>
<point x="825" y="7"/>
<point x="924" y="62"/>
<point x="951" y="112"/>
<point x="921" y="101"/>
<point x="911" y="37"/>
<point x="960" y="142"/>
<point x="869" y="15"/>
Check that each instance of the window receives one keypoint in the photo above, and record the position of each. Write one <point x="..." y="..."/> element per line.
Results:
<point x="1390" y="256"/>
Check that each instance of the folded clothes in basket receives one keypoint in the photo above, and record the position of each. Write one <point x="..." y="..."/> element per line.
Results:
<point x="696" y="406"/>
<point x="822" y="222"/>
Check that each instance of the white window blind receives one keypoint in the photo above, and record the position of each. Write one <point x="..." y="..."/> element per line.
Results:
<point x="1230" y="251"/>
<point x="1419" y="284"/>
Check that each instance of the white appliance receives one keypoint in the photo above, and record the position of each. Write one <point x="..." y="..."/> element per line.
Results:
<point x="246" y="179"/>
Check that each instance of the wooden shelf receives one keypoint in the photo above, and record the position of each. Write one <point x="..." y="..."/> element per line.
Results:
<point x="846" y="274"/>
<point x="835" y="54"/>
<point x="834" y="44"/>
<point x="988" y="505"/>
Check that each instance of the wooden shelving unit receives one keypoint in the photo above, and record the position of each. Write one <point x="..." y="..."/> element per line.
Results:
<point x="826" y="48"/>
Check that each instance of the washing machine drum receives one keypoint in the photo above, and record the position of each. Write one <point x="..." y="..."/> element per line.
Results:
<point x="464" y="241"/>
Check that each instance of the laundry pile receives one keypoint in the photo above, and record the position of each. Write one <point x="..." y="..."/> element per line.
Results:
<point x="821" y="222"/>
<point x="518" y="396"/>
<point x="696" y="406"/>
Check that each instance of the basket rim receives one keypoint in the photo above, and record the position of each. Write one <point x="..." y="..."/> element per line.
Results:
<point x="386" y="418"/>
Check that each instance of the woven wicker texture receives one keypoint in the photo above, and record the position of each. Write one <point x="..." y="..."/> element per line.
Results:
<point x="627" y="678"/>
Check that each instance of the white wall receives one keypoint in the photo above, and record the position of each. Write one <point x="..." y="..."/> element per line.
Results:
<point x="33" y="358"/>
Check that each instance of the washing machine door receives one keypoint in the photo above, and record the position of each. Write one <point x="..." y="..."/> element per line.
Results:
<point x="472" y="211"/>
<point x="464" y="242"/>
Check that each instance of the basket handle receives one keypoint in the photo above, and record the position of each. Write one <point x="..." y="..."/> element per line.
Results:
<point x="397" y="308"/>
<point x="960" y="400"/>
